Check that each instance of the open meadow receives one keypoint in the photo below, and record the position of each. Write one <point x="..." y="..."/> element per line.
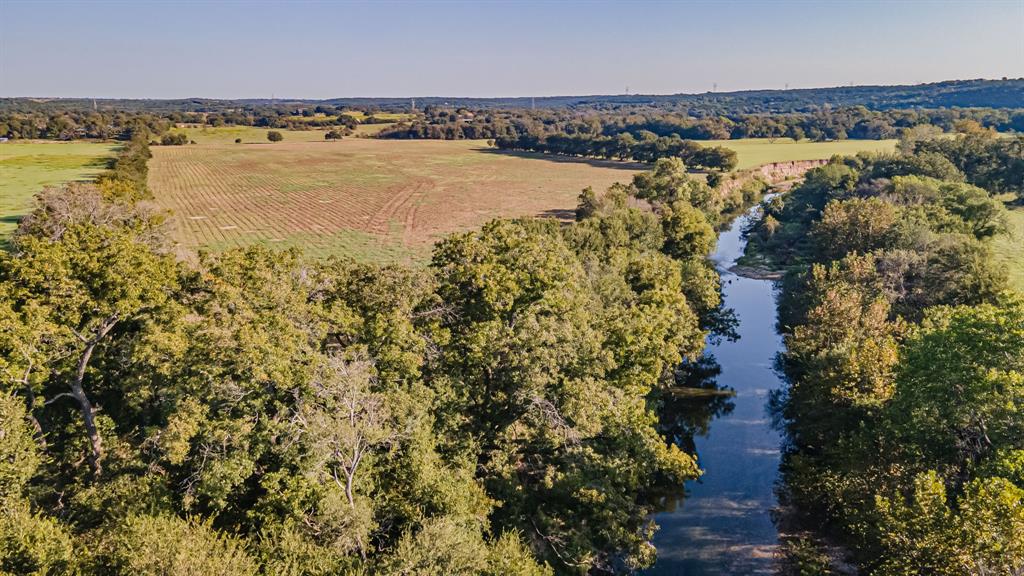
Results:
<point x="27" y="167"/>
<point x="365" y="198"/>
<point x="757" y="151"/>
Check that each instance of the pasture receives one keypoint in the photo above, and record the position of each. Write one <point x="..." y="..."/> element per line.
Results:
<point x="1009" y="248"/>
<point x="757" y="151"/>
<point x="382" y="200"/>
<point x="27" y="167"/>
<point x="254" y="135"/>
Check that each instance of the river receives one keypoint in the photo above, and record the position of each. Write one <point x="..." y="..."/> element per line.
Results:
<point x="723" y="524"/>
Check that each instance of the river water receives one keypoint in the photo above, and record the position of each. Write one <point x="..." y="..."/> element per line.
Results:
<point x="723" y="524"/>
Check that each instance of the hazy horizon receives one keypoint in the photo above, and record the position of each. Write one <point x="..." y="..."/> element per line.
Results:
<point x="497" y="96"/>
<point x="323" y="50"/>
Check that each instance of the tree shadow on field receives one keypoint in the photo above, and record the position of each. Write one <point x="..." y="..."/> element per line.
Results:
<point x="597" y="163"/>
<point x="564" y="215"/>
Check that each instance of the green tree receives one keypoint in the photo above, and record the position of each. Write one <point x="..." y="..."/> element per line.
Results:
<point x="687" y="231"/>
<point x="89" y="281"/>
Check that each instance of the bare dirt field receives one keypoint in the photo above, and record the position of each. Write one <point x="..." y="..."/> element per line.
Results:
<point x="381" y="200"/>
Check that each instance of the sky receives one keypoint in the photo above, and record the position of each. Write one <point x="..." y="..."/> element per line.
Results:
<point x="327" y="49"/>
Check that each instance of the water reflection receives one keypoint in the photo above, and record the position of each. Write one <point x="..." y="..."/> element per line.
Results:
<point x="723" y="523"/>
<point x="688" y="409"/>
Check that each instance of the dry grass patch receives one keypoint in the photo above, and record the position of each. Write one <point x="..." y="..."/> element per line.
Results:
<point x="369" y="199"/>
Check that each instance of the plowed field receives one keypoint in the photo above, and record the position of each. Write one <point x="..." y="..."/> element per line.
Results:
<point x="369" y="199"/>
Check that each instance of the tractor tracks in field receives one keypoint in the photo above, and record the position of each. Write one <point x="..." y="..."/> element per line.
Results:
<point x="400" y="208"/>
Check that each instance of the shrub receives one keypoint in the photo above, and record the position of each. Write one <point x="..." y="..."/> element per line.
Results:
<point x="274" y="136"/>
<point x="178" y="139"/>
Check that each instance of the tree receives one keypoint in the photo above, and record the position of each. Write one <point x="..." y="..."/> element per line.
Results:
<point x="586" y="204"/>
<point x="344" y="424"/>
<point x="855" y="225"/>
<point x="687" y="231"/>
<point x="525" y="351"/>
<point x="274" y="136"/>
<point x="88" y="281"/>
<point x="959" y="387"/>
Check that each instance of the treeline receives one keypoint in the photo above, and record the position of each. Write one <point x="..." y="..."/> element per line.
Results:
<point x="254" y="412"/>
<point x="640" y="122"/>
<point x="59" y="120"/>
<point x="63" y="124"/>
<point x="905" y="360"/>
<point x="127" y="179"/>
<point x="625" y="147"/>
<point x="76" y="124"/>
<point x="977" y="93"/>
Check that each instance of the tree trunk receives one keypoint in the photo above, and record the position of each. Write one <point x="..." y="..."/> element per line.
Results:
<point x="84" y="405"/>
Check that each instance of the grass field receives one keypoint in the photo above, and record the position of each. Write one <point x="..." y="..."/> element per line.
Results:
<point x="252" y="135"/>
<point x="370" y="199"/>
<point x="382" y="199"/>
<point x="1009" y="249"/>
<point x="757" y="151"/>
<point x="390" y="116"/>
<point x="248" y="134"/>
<point x="26" y="167"/>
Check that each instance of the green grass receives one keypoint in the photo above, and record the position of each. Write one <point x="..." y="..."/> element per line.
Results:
<point x="248" y="134"/>
<point x="1009" y="248"/>
<point x="27" y="167"/>
<point x="392" y="116"/>
<point x="757" y="151"/>
<point x="341" y="243"/>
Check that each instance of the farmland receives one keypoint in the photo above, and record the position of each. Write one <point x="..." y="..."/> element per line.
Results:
<point x="370" y="199"/>
<point x="26" y="167"/>
<point x="381" y="199"/>
<point x="757" y="151"/>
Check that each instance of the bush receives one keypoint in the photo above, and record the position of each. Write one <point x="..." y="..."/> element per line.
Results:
<point x="238" y="140"/>
<point x="274" y="136"/>
<point x="179" y="139"/>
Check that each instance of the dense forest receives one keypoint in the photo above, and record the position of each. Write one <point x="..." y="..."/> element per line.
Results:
<point x="905" y="356"/>
<point x="253" y="411"/>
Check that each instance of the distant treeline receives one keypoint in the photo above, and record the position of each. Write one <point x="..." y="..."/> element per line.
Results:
<point x="1005" y="93"/>
<point x="76" y="124"/>
<point x="61" y="124"/>
<point x="625" y="147"/>
<point x="21" y="118"/>
<point x="827" y="124"/>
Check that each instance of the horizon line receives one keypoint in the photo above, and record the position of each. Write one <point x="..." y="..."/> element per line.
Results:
<point x="553" y="96"/>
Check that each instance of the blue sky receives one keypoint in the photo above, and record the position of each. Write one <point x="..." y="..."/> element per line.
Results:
<point x="326" y="49"/>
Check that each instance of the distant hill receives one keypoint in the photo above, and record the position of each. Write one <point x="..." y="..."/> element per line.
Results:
<point x="954" y="93"/>
<point x="1007" y="93"/>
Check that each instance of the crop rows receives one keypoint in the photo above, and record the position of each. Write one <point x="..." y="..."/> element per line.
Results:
<point x="345" y="197"/>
